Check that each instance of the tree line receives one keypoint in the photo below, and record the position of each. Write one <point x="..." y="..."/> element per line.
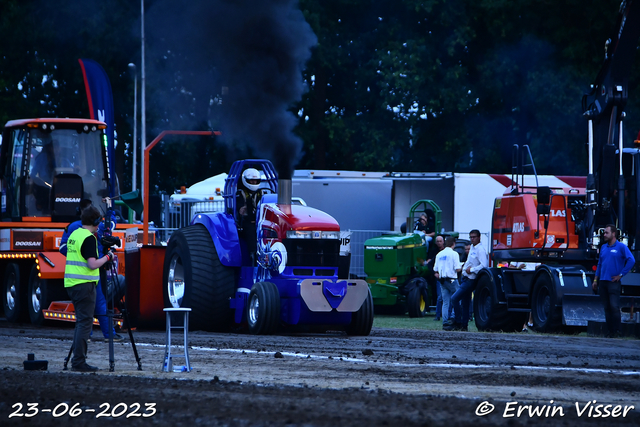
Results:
<point x="388" y="86"/>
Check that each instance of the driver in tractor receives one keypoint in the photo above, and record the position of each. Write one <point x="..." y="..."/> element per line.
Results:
<point x="247" y="198"/>
<point x="426" y="225"/>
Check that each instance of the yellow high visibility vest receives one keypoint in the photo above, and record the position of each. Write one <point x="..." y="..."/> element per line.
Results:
<point x="77" y="269"/>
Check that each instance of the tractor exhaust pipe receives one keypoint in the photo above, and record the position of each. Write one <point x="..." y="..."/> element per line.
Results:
<point x="284" y="191"/>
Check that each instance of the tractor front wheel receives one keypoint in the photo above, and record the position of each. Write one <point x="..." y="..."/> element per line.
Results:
<point x="263" y="310"/>
<point x="416" y="302"/>
<point x="362" y="320"/>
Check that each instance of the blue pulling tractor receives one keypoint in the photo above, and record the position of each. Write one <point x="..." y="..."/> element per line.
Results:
<point x="286" y="275"/>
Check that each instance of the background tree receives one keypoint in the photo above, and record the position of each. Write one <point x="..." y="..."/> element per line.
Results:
<point x="406" y="86"/>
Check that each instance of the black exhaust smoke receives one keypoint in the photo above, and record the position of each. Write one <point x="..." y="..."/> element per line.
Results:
<point x="257" y="49"/>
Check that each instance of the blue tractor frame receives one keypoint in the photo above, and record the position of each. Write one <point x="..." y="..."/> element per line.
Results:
<point x="261" y="290"/>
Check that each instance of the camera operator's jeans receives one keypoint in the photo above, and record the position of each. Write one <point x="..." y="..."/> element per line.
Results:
<point x="83" y="297"/>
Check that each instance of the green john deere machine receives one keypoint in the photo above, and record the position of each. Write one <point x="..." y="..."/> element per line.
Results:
<point x="395" y="264"/>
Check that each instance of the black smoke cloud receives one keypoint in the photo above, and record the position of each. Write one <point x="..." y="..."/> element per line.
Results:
<point x="255" y="48"/>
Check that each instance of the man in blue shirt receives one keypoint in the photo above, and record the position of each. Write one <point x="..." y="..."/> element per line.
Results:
<point x="615" y="261"/>
<point x="101" y="302"/>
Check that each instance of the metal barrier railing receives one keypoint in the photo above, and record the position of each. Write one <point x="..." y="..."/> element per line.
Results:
<point x="358" y="237"/>
<point x="179" y="214"/>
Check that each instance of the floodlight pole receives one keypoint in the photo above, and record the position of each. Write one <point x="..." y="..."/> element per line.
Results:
<point x="143" y="118"/>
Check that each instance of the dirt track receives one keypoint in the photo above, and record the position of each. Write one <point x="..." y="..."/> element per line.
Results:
<point x="393" y="377"/>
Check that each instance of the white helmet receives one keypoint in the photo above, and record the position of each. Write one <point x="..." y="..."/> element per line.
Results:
<point x="251" y="179"/>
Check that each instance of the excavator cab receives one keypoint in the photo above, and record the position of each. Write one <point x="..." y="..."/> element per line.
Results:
<point x="48" y="165"/>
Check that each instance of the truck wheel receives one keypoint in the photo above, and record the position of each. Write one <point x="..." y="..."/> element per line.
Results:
<point x="13" y="294"/>
<point x="416" y="303"/>
<point x="38" y="296"/>
<point x="547" y="317"/>
<point x="194" y="277"/>
<point x="362" y="320"/>
<point x="263" y="310"/>
<point x="489" y="315"/>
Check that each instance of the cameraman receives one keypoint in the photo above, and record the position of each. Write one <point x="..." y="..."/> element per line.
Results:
<point x="81" y="276"/>
<point x="101" y="302"/>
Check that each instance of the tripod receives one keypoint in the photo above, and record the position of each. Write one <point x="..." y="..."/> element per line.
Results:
<point x="127" y="323"/>
<point x="111" y="314"/>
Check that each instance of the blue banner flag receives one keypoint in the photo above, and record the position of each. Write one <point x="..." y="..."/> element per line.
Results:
<point x="100" y="100"/>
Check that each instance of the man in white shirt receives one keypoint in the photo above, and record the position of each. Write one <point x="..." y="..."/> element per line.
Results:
<point x="461" y="299"/>
<point x="446" y="269"/>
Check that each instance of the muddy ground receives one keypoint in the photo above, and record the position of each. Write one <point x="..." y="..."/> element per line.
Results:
<point x="393" y="377"/>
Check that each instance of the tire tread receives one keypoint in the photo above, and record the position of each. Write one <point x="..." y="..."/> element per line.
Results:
<point x="212" y="284"/>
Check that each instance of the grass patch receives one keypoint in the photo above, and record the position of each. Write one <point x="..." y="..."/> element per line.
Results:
<point x="406" y="322"/>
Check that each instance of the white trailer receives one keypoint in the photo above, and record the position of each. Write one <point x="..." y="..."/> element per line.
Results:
<point x="381" y="200"/>
<point x="369" y="203"/>
<point x="357" y="200"/>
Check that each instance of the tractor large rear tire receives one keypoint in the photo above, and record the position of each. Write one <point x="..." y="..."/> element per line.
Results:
<point x="13" y="294"/>
<point x="194" y="277"/>
<point x="362" y="320"/>
<point x="263" y="310"/>
<point x="547" y="317"/>
<point x="416" y="302"/>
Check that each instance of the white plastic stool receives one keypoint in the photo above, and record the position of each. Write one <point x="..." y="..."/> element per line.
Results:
<point x="168" y="358"/>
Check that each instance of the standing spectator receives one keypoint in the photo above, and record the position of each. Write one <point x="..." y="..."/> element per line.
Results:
<point x="81" y="275"/>
<point x="461" y="300"/>
<point x="465" y="255"/>
<point x="101" y="301"/>
<point x="615" y="261"/>
<point x="433" y="282"/>
<point x="463" y="259"/>
<point x="446" y="268"/>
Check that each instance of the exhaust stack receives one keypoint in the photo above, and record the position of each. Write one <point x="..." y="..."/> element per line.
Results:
<point x="284" y="192"/>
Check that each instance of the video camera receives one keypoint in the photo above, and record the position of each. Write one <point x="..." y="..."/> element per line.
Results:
<point x="110" y="241"/>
